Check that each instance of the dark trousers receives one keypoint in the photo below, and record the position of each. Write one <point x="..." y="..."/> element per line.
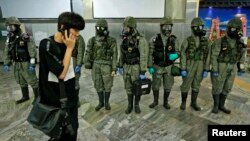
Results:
<point x="73" y="116"/>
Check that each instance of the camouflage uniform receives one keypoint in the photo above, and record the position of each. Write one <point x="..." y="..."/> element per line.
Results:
<point x="20" y="49"/>
<point x="133" y="59"/>
<point x="101" y="56"/>
<point x="228" y="54"/>
<point x="161" y="47"/>
<point x="194" y="62"/>
<point x="78" y="54"/>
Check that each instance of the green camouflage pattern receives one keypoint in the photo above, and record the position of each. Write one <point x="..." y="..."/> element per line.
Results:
<point x="131" y="72"/>
<point x="227" y="71"/>
<point x="194" y="67"/>
<point x="12" y="20"/>
<point x="129" y="22"/>
<point x="103" y="54"/>
<point x="102" y="23"/>
<point x="78" y="55"/>
<point x="235" y="23"/>
<point x="167" y="20"/>
<point x="197" y="22"/>
<point x="161" y="72"/>
<point x="21" y="73"/>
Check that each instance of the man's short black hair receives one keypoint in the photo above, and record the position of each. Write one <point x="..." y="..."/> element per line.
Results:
<point x="70" y="20"/>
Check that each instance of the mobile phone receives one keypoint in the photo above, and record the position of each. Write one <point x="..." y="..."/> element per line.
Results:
<point x="63" y="31"/>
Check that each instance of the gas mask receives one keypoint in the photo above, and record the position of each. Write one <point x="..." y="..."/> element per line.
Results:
<point x="101" y="31"/>
<point x="234" y="33"/>
<point x="199" y="31"/>
<point x="13" y="29"/>
<point x="166" y="29"/>
<point x="127" y="31"/>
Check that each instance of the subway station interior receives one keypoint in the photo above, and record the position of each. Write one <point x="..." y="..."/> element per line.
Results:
<point x="39" y="20"/>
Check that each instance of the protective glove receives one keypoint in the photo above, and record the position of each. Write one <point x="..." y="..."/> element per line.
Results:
<point x="6" y="68"/>
<point x="173" y="56"/>
<point x="151" y="70"/>
<point x="32" y="67"/>
<point x="184" y="73"/>
<point x="77" y="69"/>
<point x="240" y="73"/>
<point x="142" y="76"/>
<point x="205" y="74"/>
<point x="215" y="74"/>
<point x="120" y="71"/>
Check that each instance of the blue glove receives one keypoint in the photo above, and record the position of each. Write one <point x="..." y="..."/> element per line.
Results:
<point x="6" y="68"/>
<point x="151" y="70"/>
<point x="32" y="67"/>
<point x="240" y="73"/>
<point x="173" y="56"/>
<point x="142" y="76"/>
<point x="205" y="74"/>
<point x="120" y="71"/>
<point x="183" y="73"/>
<point x="77" y="69"/>
<point x="215" y="74"/>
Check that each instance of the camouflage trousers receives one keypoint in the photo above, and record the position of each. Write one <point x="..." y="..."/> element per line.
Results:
<point x="165" y="74"/>
<point x="101" y="76"/>
<point x="23" y="76"/>
<point x="224" y="82"/>
<point x="194" y="76"/>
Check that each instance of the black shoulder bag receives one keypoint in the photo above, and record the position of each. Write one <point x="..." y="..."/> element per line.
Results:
<point x="50" y="120"/>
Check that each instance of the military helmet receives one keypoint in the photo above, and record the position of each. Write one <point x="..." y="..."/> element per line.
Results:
<point x="166" y="20"/>
<point x="235" y="23"/>
<point x="102" y="23"/>
<point x="129" y="22"/>
<point x="197" y="22"/>
<point x="12" y="20"/>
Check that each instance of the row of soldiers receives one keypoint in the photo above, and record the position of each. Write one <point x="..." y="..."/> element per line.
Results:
<point x="137" y="56"/>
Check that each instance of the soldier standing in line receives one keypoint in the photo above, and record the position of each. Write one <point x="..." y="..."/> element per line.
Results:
<point x="227" y="56"/>
<point x="20" y="50"/>
<point x="133" y="60"/>
<point x="162" y="54"/>
<point x="77" y="55"/>
<point x="101" y="57"/>
<point x="194" y="62"/>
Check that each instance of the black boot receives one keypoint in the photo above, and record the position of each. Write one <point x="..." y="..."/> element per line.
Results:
<point x="216" y="98"/>
<point x="156" y="97"/>
<point x="25" y="93"/>
<point x="165" y="100"/>
<point x="194" y="101"/>
<point x="222" y="103"/>
<point x="130" y="104"/>
<point x="137" y="107"/>
<point x="36" y="93"/>
<point x="183" y="100"/>
<point x="107" y="105"/>
<point x="101" y="101"/>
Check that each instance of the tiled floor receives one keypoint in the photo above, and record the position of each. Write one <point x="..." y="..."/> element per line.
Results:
<point x="156" y="124"/>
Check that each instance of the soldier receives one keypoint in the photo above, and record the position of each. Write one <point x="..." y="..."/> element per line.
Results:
<point x="133" y="60"/>
<point x="20" y="49"/>
<point x="227" y="55"/>
<point x="162" y="54"/>
<point x="194" y="62"/>
<point x="77" y="56"/>
<point x="101" y="57"/>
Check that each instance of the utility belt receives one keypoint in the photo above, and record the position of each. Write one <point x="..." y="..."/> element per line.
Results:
<point x="21" y="59"/>
<point x="163" y="64"/>
<point x="132" y="62"/>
